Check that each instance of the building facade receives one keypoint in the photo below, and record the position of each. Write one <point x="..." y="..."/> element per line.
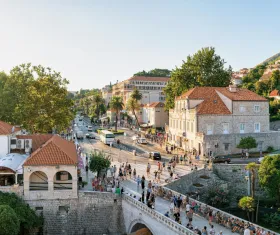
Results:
<point x="154" y="115"/>
<point x="107" y="94"/>
<point x="150" y="87"/>
<point x="212" y="120"/>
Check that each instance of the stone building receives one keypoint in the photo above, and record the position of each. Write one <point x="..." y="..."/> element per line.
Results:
<point x="212" y="120"/>
<point x="50" y="172"/>
<point x="154" y="114"/>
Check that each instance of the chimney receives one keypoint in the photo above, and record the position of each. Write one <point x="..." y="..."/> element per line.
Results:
<point x="232" y="88"/>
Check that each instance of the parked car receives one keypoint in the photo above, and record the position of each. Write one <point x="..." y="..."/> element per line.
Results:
<point x="155" y="155"/>
<point x="142" y="141"/>
<point x="260" y="160"/>
<point x="80" y="135"/>
<point x="90" y="136"/>
<point x="221" y="159"/>
<point x="89" y="128"/>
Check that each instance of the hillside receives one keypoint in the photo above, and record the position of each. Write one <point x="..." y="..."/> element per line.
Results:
<point x="271" y="59"/>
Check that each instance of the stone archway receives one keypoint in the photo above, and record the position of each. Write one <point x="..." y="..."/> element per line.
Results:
<point x="140" y="226"/>
<point x="38" y="181"/>
<point x="62" y="181"/>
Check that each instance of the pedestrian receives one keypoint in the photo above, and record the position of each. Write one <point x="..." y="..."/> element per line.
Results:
<point x="190" y="216"/>
<point x="129" y="171"/>
<point x="188" y="207"/>
<point x="134" y="174"/>
<point x="143" y="197"/>
<point x="212" y="230"/>
<point x="204" y="231"/>
<point x="158" y="178"/>
<point x="143" y="182"/>
<point x="124" y="174"/>
<point x="148" y="169"/>
<point x="163" y="166"/>
<point x="158" y="163"/>
<point x="138" y="180"/>
<point x="115" y="170"/>
<point x="247" y="154"/>
<point x="181" y="159"/>
<point x="87" y="168"/>
<point x="210" y="217"/>
<point x="155" y="174"/>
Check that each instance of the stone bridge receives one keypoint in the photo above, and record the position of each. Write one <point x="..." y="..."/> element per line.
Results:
<point x="137" y="215"/>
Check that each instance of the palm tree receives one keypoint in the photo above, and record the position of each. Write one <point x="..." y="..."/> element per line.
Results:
<point x="116" y="105"/>
<point x="253" y="168"/>
<point x="98" y="100"/>
<point x="133" y="105"/>
<point x="87" y="103"/>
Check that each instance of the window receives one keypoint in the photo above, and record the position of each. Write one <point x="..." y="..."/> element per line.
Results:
<point x="63" y="175"/>
<point x="242" y="128"/>
<point x="226" y="146"/>
<point x="257" y="108"/>
<point x="257" y="127"/>
<point x="209" y="129"/>
<point x="225" y="128"/>
<point x="242" y="108"/>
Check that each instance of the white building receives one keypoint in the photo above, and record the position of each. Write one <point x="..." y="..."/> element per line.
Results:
<point x="154" y="115"/>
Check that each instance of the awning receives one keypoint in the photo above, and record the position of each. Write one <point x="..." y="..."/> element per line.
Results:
<point x="14" y="162"/>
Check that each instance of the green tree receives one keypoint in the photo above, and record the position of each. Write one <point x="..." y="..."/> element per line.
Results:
<point x="116" y="105"/>
<point x="87" y="103"/>
<point x="247" y="204"/>
<point x="98" y="162"/>
<point x="269" y="175"/>
<point x="133" y="105"/>
<point x="275" y="80"/>
<point x="154" y="73"/>
<point x="204" y="68"/>
<point x="247" y="143"/>
<point x="26" y="216"/>
<point x="253" y="168"/>
<point x="37" y="99"/>
<point x="9" y="221"/>
<point x="98" y="101"/>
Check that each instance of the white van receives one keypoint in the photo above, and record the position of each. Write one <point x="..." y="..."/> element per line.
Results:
<point x="89" y="128"/>
<point x="142" y="141"/>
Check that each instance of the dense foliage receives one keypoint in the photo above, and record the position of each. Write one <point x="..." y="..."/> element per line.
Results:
<point x="35" y="98"/>
<point x="26" y="216"/>
<point x="217" y="197"/>
<point x="133" y="104"/>
<point x="269" y="175"/>
<point x="273" y="219"/>
<point x="247" y="204"/>
<point x="154" y="73"/>
<point x="9" y="224"/>
<point x="116" y="105"/>
<point x="98" y="162"/>
<point x="204" y="68"/>
<point x="247" y="143"/>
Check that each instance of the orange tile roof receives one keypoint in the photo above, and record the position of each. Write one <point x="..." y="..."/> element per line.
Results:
<point x="211" y="101"/>
<point x="152" y="79"/>
<point x="155" y="105"/>
<point x="6" y="128"/>
<point x="274" y="93"/>
<point x="37" y="140"/>
<point x="56" y="151"/>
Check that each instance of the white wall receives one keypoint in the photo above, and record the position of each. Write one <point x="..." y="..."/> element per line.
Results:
<point x="4" y="145"/>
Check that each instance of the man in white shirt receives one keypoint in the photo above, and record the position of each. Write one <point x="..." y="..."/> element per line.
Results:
<point x="247" y="231"/>
<point x="188" y="207"/>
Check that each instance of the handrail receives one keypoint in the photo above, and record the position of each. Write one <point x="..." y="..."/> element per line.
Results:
<point x="214" y="209"/>
<point x="179" y="229"/>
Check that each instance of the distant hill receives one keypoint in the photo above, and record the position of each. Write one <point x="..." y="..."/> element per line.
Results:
<point x="271" y="59"/>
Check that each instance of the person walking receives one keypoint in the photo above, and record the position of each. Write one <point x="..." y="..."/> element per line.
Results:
<point x="143" y="182"/>
<point x="190" y="216"/>
<point x="163" y="166"/>
<point x="204" y="231"/>
<point x="148" y="169"/>
<point x="158" y="179"/>
<point x="158" y="163"/>
<point x="212" y="230"/>
<point x="138" y="180"/>
<point x="156" y="173"/>
<point x="181" y="159"/>
<point x="134" y="174"/>
<point x="210" y="217"/>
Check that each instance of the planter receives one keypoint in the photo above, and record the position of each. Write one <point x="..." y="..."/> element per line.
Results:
<point x="198" y="185"/>
<point x="205" y="177"/>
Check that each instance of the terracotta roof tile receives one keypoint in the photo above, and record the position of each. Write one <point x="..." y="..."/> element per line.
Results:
<point x="152" y="79"/>
<point x="6" y="128"/>
<point x="211" y="101"/>
<point x="37" y="140"/>
<point x="56" y="151"/>
<point x="156" y="104"/>
<point x="274" y="93"/>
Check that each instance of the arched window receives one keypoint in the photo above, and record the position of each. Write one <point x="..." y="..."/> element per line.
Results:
<point x="62" y="181"/>
<point x="38" y="181"/>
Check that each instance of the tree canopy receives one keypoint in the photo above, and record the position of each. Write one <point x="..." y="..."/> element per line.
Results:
<point x="247" y="143"/>
<point x="35" y="98"/>
<point x="204" y="68"/>
<point x="9" y="224"/>
<point x="269" y="175"/>
<point x="154" y="73"/>
<point x="116" y="105"/>
<point x="98" y="162"/>
<point x="26" y="216"/>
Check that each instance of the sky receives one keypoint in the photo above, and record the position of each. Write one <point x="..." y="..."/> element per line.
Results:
<point x="93" y="43"/>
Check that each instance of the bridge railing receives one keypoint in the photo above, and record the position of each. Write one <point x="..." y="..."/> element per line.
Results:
<point x="203" y="206"/>
<point x="179" y="229"/>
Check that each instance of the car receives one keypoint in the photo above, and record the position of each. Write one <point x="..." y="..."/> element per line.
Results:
<point x="155" y="155"/>
<point x="90" y="136"/>
<point x="260" y="160"/>
<point x="142" y="141"/>
<point x="221" y="159"/>
<point x="89" y="128"/>
<point x="135" y="137"/>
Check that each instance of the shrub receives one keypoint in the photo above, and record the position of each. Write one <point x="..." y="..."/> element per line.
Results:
<point x="273" y="219"/>
<point x="270" y="149"/>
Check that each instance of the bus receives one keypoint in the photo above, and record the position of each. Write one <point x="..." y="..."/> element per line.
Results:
<point x="106" y="137"/>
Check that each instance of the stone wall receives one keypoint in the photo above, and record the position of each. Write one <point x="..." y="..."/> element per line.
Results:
<point x="92" y="213"/>
<point x="185" y="183"/>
